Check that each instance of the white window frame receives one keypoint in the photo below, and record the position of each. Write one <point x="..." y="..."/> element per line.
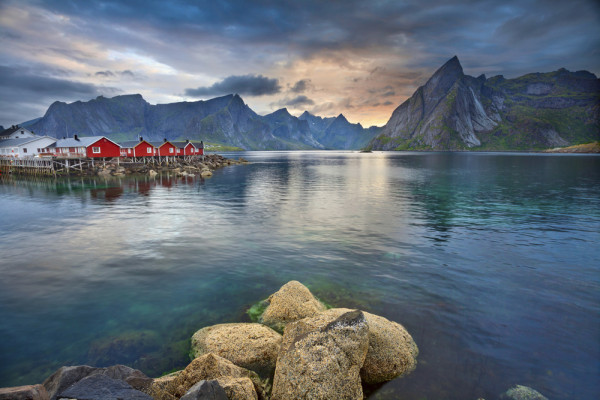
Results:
<point x="96" y="150"/>
<point x="170" y="150"/>
<point x="149" y="150"/>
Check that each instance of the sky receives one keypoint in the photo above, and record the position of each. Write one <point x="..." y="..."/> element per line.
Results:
<point x="359" y="58"/>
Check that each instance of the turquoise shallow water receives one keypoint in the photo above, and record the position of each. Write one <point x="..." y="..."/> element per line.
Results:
<point x="491" y="261"/>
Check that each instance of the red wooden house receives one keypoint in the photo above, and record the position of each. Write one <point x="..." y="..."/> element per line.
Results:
<point x="165" y="148"/>
<point x="188" y="148"/>
<point x="137" y="149"/>
<point x="91" y="146"/>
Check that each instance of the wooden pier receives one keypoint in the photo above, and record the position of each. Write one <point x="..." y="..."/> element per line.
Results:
<point x="27" y="166"/>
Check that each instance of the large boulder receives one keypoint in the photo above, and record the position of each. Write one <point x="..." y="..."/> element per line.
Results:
<point x="520" y="392"/>
<point x="102" y="387"/>
<point x="321" y="357"/>
<point x="65" y="377"/>
<point x="292" y="302"/>
<point x="207" y="367"/>
<point x="392" y="350"/>
<point x="251" y="346"/>
<point x="238" y="388"/>
<point x="29" y="392"/>
<point x="206" y="390"/>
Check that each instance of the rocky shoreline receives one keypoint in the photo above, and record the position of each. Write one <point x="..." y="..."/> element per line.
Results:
<point x="203" y="167"/>
<point x="298" y="348"/>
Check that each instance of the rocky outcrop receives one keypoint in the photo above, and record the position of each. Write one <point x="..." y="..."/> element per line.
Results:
<point x="207" y="367"/>
<point x="522" y="393"/>
<point x="29" y="392"/>
<point x="250" y="346"/>
<point x="206" y="390"/>
<point x="292" y="302"/>
<point x="454" y="111"/>
<point x="321" y="357"/>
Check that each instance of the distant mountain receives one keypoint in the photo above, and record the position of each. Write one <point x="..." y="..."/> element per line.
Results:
<point x="454" y="111"/>
<point x="226" y="120"/>
<point x="338" y="133"/>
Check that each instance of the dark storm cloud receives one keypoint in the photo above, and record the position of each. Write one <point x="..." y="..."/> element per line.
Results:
<point x="484" y="32"/>
<point x="295" y="102"/>
<point x="34" y="92"/>
<point x="253" y="85"/>
<point x="104" y="74"/>
<point x="301" y="86"/>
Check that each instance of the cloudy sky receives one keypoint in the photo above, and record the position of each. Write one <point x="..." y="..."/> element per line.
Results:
<point x="359" y="58"/>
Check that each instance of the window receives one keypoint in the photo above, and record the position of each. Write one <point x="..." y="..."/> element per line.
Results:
<point x="171" y="150"/>
<point x="24" y="150"/>
<point x="149" y="149"/>
<point x="129" y="151"/>
<point x="96" y="150"/>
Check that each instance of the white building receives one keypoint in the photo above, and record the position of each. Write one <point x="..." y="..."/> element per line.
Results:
<point x="25" y="147"/>
<point x="16" y="132"/>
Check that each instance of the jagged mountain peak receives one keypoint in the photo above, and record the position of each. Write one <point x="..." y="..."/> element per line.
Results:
<point x="456" y="111"/>
<point x="341" y="118"/>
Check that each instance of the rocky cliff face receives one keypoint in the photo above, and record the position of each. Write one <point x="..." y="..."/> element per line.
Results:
<point x="226" y="120"/>
<point x="454" y="111"/>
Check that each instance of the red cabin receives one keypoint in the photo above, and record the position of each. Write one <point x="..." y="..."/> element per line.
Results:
<point x="135" y="149"/>
<point x="165" y="148"/>
<point x="187" y="148"/>
<point x="91" y="146"/>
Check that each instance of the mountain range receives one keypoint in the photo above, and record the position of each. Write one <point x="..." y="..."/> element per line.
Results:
<point x="225" y="120"/>
<point x="454" y="111"/>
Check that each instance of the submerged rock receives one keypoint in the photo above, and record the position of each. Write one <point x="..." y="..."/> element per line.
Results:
<point x="251" y="346"/>
<point x="29" y="392"/>
<point x="321" y="357"/>
<point x="520" y="392"/>
<point x="289" y="304"/>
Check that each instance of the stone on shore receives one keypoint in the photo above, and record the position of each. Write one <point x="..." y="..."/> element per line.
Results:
<point x="29" y="392"/>
<point x="321" y="357"/>
<point x="392" y="350"/>
<point x="66" y="377"/>
<point x="238" y="388"/>
<point x="206" y="390"/>
<point x="292" y="302"/>
<point x="102" y="387"/>
<point x="520" y="392"/>
<point x="251" y="346"/>
<point x="207" y="367"/>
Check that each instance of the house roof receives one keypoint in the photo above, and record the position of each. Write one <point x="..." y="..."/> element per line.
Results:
<point x="158" y="144"/>
<point x="182" y="145"/>
<point x="80" y="141"/>
<point x="132" y="143"/>
<point x="21" y="141"/>
<point x="10" y="130"/>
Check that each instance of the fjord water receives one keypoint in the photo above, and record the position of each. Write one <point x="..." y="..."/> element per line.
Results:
<point x="491" y="261"/>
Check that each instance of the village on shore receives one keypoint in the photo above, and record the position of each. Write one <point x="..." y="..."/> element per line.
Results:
<point x="22" y="151"/>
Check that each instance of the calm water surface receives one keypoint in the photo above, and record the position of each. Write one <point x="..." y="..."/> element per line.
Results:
<point x="491" y="261"/>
